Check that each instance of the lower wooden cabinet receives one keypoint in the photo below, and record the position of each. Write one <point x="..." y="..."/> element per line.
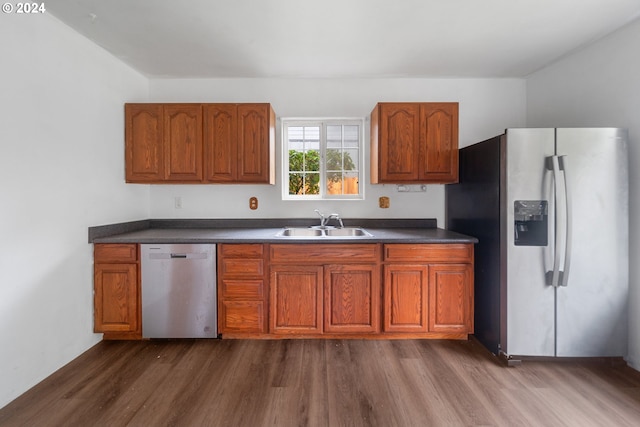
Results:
<point x="242" y="298"/>
<point x="428" y="288"/>
<point x="346" y="290"/>
<point x="117" y="311"/>
<point x="316" y="290"/>
<point x="351" y="298"/>
<point x="325" y="299"/>
<point x="296" y="299"/>
<point x="406" y="298"/>
<point x="329" y="289"/>
<point x="451" y="299"/>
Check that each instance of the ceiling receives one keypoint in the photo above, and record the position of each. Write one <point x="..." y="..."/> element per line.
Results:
<point x="342" y="38"/>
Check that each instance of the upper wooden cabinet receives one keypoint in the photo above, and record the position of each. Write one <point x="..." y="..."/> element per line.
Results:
<point x="200" y="143"/>
<point x="183" y="142"/>
<point x="220" y="149"/>
<point x="144" y="143"/>
<point x="239" y="143"/>
<point x="414" y="143"/>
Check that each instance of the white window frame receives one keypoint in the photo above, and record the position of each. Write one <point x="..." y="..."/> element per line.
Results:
<point x="322" y="122"/>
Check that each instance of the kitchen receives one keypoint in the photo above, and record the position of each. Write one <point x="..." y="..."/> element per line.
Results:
<point x="62" y="108"/>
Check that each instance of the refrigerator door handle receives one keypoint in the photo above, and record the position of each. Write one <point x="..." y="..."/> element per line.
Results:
<point x="553" y="277"/>
<point x="568" y="229"/>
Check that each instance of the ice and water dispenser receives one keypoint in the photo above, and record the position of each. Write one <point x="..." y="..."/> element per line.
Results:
<point x="531" y="223"/>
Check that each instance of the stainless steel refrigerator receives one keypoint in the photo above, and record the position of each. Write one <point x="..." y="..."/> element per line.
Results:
<point x="550" y="210"/>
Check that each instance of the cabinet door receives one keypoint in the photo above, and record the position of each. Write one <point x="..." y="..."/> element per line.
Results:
<point x="351" y="298"/>
<point x="406" y="298"/>
<point x="439" y="142"/>
<point x="116" y="298"/>
<point x="398" y="145"/>
<point x="220" y="142"/>
<point x="183" y="142"/>
<point x="296" y="299"/>
<point x="450" y="296"/>
<point x="144" y="153"/>
<point x="256" y="134"/>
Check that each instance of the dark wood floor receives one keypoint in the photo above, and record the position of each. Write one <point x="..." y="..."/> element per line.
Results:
<point x="323" y="383"/>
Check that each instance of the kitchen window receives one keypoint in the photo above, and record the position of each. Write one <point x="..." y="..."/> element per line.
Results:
<point x="322" y="159"/>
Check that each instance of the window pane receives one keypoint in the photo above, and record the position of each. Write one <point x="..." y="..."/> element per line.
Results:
<point x="351" y="160"/>
<point x="312" y="133"/>
<point x="334" y="160"/>
<point x="312" y="161"/>
<point x="304" y="183"/>
<point x="296" y="183"/>
<point x="338" y="183"/>
<point x="303" y="137"/>
<point x="350" y="184"/>
<point x="351" y="135"/>
<point x="334" y="133"/>
<point x="334" y="186"/>
<point x="304" y="161"/>
<point x="312" y="183"/>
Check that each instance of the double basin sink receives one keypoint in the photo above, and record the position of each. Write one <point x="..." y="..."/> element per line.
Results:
<point x="324" y="232"/>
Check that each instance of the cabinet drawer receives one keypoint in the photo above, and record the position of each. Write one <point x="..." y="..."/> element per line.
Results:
<point x="241" y="251"/>
<point x="245" y="289"/>
<point x="442" y="253"/>
<point x="324" y="253"/>
<point x="241" y="267"/>
<point x="242" y="317"/>
<point x="110" y="252"/>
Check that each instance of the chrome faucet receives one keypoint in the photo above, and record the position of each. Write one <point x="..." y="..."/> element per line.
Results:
<point x="336" y="217"/>
<point x="324" y="220"/>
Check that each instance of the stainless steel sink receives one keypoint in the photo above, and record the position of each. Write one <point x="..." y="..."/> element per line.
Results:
<point x="314" y="232"/>
<point x="300" y="232"/>
<point x="347" y="232"/>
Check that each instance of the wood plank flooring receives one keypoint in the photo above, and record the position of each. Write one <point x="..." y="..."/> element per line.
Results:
<point x="323" y="383"/>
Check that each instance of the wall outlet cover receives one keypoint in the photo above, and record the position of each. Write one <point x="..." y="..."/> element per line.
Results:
<point x="383" y="202"/>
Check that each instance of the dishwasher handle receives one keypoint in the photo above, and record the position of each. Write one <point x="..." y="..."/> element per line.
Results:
<point x="178" y="255"/>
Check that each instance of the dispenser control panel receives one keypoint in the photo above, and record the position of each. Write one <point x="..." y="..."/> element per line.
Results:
<point x="531" y="225"/>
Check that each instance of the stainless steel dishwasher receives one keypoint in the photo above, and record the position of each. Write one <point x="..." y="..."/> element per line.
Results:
<point x="179" y="291"/>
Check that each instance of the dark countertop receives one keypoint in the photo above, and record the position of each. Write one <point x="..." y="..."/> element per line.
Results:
<point x="264" y="231"/>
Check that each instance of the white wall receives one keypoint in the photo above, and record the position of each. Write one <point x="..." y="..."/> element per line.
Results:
<point x="487" y="107"/>
<point x="61" y="170"/>
<point x="600" y="86"/>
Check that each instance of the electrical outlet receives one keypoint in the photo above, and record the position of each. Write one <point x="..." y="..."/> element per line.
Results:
<point x="253" y="203"/>
<point x="383" y="202"/>
<point x="416" y="188"/>
<point x="177" y="202"/>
